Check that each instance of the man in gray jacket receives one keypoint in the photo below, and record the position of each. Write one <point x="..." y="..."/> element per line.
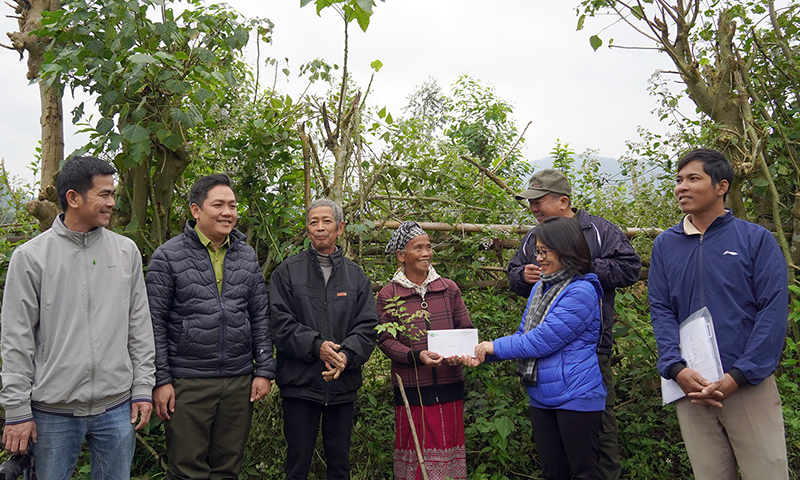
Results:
<point x="213" y="345"/>
<point x="77" y="340"/>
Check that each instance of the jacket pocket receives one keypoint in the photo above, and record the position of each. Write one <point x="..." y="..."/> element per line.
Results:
<point x="182" y="338"/>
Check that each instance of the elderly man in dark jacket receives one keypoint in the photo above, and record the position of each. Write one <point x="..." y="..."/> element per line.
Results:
<point x="613" y="260"/>
<point x="210" y="311"/>
<point x="323" y="317"/>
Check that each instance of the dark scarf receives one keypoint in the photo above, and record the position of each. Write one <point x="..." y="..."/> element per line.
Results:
<point x="537" y="310"/>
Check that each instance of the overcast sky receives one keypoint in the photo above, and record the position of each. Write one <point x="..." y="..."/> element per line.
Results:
<point x="528" y="50"/>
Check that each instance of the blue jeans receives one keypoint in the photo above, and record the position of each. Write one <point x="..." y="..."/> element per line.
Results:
<point x="110" y="436"/>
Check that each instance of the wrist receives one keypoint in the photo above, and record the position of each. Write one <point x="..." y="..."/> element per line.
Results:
<point x="676" y="369"/>
<point x="738" y="377"/>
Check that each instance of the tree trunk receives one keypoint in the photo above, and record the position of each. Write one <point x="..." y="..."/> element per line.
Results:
<point x="29" y="14"/>
<point x="137" y="180"/>
<point x="166" y="176"/>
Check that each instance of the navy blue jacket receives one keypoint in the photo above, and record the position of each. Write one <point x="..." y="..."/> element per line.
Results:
<point x="305" y="312"/>
<point x="199" y="332"/>
<point x="738" y="271"/>
<point x="613" y="260"/>
<point x="565" y="343"/>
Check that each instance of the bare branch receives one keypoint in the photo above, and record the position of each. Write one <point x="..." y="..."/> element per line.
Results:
<point x="491" y="175"/>
<point x="773" y="16"/>
<point x="519" y="139"/>
<point x="625" y="19"/>
<point x="625" y="47"/>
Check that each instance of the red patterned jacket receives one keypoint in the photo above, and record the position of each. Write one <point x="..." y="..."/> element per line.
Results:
<point x="447" y="311"/>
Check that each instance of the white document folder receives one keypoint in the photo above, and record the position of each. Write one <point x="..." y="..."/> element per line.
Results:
<point x="699" y="349"/>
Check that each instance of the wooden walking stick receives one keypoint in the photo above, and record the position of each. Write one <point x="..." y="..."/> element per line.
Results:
<point x="413" y="428"/>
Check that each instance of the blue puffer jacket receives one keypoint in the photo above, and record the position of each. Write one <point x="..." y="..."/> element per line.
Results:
<point x="565" y="343"/>
<point x="198" y="332"/>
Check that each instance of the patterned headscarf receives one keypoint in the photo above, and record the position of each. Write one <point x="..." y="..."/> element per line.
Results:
<point x="403" y="235"/>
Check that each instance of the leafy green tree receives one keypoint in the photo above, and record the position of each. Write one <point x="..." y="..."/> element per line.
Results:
<point x="738" y="65"/>
<point x="155" y="74"/>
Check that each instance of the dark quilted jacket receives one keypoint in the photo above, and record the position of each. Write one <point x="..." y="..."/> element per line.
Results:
<point x="198" y="332"/>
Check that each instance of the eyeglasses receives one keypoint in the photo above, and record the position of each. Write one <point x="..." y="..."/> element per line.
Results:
<point x="541" y="252"/>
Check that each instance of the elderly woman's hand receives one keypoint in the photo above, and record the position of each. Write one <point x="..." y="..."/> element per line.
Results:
<point x="453" y="360"/>
<point x="431" y="359"/>
<point x="470" y="361"/>
<point x="483" y="349"/>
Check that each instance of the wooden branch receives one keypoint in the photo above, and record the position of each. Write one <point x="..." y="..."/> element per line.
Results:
<point x="624" y="18"/>
<point x="459" y="227"/>
<point x="343" y="89"/>
<point x="152" y="451"/>
<point x="318" y="164"/>
<point x="301" y="129"/>
<point x="326" y="122"/>
<point x="493" y="269"/>
<point x="498" y="283"/>
<point x="428" y="199"/>
<point x="491" y="175"/>
<point x="625" y="47"/>
<point x="782" y="43"/>
<point x="413" y="428"/>
<point x="519" y="139"/>
<point x="481" y="227"/>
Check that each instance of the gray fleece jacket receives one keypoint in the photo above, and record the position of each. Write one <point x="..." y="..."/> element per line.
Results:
<point x="76" y="333"/>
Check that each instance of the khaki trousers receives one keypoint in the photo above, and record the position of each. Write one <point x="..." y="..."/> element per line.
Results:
<point x="208" y="430"/>
<point x="747" y="432"/>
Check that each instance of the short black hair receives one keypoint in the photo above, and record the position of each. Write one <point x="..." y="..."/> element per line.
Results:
<point x="200" y="189"/>
<point x="564" y="236"/>
<point x="715" y="165"/>
<point x="77" y="174"/>
<point x="557" y="196"/>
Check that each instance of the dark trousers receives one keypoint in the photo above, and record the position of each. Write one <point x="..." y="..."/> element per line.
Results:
<point x="610" y="468"/>
<point x="300" y="428"/>
<point x="208" y="431"/>
<point x="566" y="441"/>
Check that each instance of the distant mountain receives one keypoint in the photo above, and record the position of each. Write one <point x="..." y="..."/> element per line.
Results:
<point x="609" y="167"/>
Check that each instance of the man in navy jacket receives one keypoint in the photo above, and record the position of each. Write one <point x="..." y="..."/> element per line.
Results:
<point x="737" y="270"/>
<point x="210" y="311"/>
<point x="613" y="260"/>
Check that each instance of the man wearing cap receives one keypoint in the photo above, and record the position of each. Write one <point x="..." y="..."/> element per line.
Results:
<point x="615" y="263"/>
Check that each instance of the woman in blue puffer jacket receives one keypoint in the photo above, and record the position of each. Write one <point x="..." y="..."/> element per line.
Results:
<point x="555" y="348"/>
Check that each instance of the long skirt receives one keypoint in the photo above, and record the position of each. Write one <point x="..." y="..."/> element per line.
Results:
<point x="440" y="429"/>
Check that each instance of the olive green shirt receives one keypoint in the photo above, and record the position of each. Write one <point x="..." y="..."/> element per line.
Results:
<point x="217" y="256"/>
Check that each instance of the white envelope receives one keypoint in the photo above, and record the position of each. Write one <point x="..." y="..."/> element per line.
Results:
<point x="459" y="342"/>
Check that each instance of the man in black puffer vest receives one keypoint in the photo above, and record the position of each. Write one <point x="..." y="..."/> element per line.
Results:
<point x="323" y="317"/>
<point x="210" y="311"/>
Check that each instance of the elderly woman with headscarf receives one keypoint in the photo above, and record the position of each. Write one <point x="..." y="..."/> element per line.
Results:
<point x="433" y="384"/>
